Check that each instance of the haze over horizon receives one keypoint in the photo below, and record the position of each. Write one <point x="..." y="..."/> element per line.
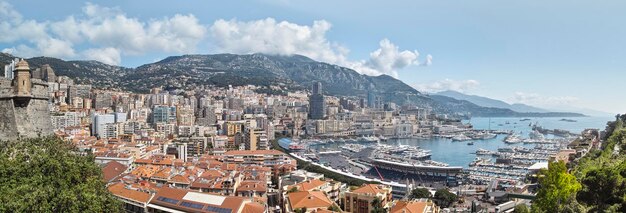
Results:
<point x="544" y="59"/>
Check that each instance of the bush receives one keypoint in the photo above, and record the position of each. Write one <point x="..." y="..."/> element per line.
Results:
<point x="46" y="175"/>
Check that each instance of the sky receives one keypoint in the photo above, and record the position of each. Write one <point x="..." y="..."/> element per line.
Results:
<point x="552" y="54"/>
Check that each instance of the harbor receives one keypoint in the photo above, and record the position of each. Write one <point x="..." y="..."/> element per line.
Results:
<point x="468" y="155"/>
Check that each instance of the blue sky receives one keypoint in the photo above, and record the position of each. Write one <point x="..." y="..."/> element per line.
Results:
<point x="553" y="54"/>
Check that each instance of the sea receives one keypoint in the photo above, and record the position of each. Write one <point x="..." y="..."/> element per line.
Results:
<point x="460" y="154"/>
<point x="457" y="153"/>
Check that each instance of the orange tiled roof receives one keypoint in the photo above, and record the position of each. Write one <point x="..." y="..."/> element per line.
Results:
<point x="163" y="174"/>
<point x="231" y="203"/>
<point x="145" y="171"/>
<point x="370" y="189"/>
<point x="257" y="186"/>
<point x="309" y="185"/>
<point x="120" y="190"/>
<point x="112" y="169"/>
<point x="180" y="179"/>
<point x="409" y="207"/>
<point x="309" y="200"/>
<point x="253" y="208"/>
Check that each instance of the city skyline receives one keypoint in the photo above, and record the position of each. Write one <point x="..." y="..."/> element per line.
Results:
<point x="498" y="51"/>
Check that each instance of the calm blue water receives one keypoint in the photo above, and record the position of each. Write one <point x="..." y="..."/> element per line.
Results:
<point x="549" y="123"/>
<point x="459" y="153"/>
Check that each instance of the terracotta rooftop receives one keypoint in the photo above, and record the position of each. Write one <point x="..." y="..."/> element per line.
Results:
<point x="189" y="201"/>
<point x="163" y="174"/>
<point x="253" y="208"/>
<point x="412" y="207"/>
<point x="248" y="185"/>
<point x="112" y="169"/>
<point x="309" y="200"/>
<point x="120" y="190"/>
<point x="370" y="189"/>
<point x="309" y="185"/>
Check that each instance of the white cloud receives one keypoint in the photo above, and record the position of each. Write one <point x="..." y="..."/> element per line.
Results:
<point x="448" y="84"/>
<point x="544" y="101"/>
<point x="428" y="61"/>
<point x="102" y="28"/>
<point x="388" y="58"/>
<point x="285" y="38"/>
<point x="272" y="37"/>
<point x="107" y="55"/>
<point x="107" y="33"/>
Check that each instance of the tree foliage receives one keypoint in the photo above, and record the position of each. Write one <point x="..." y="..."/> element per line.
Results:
<point x="46" y="175"/>
<point x="377" y="206"/>
<point x="420" y="193"/>
<point x="557" y="188"/>
<point x="444" y="198"/>
<point x="521" y="209"/>
<point x="300" y="210"/>
<point x="603" y="188"/>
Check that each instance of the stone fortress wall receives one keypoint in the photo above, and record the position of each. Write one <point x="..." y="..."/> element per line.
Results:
<point x="24" y="120"/>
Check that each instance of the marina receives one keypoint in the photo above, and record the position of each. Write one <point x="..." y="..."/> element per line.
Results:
<point x="504" y="153"/>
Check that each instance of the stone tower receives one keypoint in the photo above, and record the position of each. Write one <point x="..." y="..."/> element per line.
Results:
<point x="24" y="105"/>
<point x="21" y="81"/>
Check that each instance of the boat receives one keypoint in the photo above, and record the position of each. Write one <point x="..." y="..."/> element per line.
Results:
<point x="513" y="138"/>
<point x="482" y="135"/>
<point x="461" y="138"/>
<point x="506" y="149"/>
<point x="536" y="136"/>
<point x="479" y="161"/>
<point x="470" y="143"/>
<point x="525" y="119"/>
<point x="481" y="151"/>
<point x="567" y="120"/>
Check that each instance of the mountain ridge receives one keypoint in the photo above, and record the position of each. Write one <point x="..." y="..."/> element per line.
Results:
<point x="490" y="102"/>
<point x="289" y="73"/>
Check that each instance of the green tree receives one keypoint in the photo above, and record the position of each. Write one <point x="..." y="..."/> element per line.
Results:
<point x="377" y="206"/>
<point x="334" y="208"/>
<point x="47" y="175"/>
<point x="420" y="193"/>
<point x="522" y="208"/>
<point x="602" y="188"/>
<point x="444" y="198"/>
<point x="292" y="189"/>
<point x="300" y="210"/>
<point x="557" y="187"/>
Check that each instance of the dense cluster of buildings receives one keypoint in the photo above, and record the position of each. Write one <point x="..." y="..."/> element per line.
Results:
<point x="206" y="150"/>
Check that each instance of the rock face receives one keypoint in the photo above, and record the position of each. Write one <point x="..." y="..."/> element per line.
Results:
<point x="24" y="116"/>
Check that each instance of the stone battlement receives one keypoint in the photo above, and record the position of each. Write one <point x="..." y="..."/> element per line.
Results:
<point x="24" y="115"/>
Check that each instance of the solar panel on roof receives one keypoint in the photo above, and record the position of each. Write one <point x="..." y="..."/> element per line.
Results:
<point x="192" y="205"/>
<point x="218" y="209"/>
<point x="168" y="200"/>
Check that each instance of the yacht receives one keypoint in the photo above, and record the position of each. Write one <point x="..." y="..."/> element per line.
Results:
<point x="484" y="152"/>
<point x="483" y="135"/>
<point x="461" y="137"/>
<point x="536" y="135"/>
<point x="513" y="138"/>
